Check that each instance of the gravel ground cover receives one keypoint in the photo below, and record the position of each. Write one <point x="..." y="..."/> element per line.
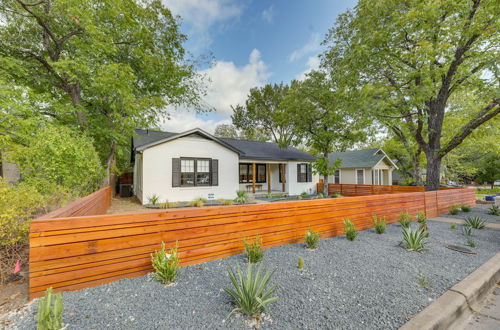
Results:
<point x="371" y="283"/>
<point x="481" y="210"/>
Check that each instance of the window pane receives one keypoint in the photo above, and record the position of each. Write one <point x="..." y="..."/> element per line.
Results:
<point x="359" y="176"/>
<point x="187" y="179"/>
<point x="202" y="179"/>
<point x="187" y="165"/>
<point x="261" y="173"/>
<point x="203" y="166"/>
<point x="337" y="176"/>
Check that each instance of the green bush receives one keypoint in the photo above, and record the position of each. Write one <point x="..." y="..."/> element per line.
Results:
<point x="165" y="264"/>
<point x="404" y="219"/>
<point x="350" y="230"/>
<point x="494" y="210"/>
<point x="168" y="205"/>
<point x="198" y="202"/>
<point x="475" y="222"/>
<point x="380" y="225"/>
<point x="300" y="263"/>
<point x="241" y="197"/>
<point x="225" y="201"/>
<point x="414" y="239"/>
<point x="304" y="195"/>
<point x="319" y="195"/>
<point x="421" y="217"/>
<point x="454" y="209"/>
<point x="453" y="226"/>
<point x="250" y="292"/>
<point x="470" y="242"/>
<point x="465" y="208"/>
<point x="50" y="309"/>
<point x="495" y="190"/>
<point x="311" y="238"/>
<point x="253" y="250"/>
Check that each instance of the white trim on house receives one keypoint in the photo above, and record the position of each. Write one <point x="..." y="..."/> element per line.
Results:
<point x="385" y="156"/>
<point x="356" y="175"/>
<point x="340" y="176"/>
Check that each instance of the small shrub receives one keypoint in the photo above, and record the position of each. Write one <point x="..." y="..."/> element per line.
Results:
<point x="300" y="263"/>
<point x="153" y="199"/>
<point x="50" y="310"/>
<point x="319" y="195"/>
<point x="350" y="230"/>
<point x="249" y="292"/>
<point x="466" y="231"/>
<point x="241" y="197"/>
<point x="198" y="202"/>
<point x="304" y="195"/>
<point x="168" y="205"/>
<point x="470" y="242"/>
<point x="421" y="217"/>
<point x="404" y="219"/>
<point x="269" y="195"/>
<point x="465" y="208"/>
<point x="453" y="226"/>
<point x="475" y="222"/>
<point x="311" y="239"/>
<point x="165" y="264"/>
<point x="336" y="195"/>
<point x="494" y="210"/>
<point x="379" y="225"/>
<point x="413" y="239"/>
<point x="454" y="209"/>
<point x="299" y="197"/>
<point x="422" y="281"/>
<point x="225" y="201"/>
<point x="253" y="250"/>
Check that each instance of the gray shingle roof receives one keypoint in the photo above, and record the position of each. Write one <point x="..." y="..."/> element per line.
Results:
<point x="247" y="149"/>
<point x="357" y="158"/>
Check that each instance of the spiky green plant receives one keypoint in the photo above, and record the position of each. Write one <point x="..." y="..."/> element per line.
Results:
<point x="269" y="195"/>
<point x="413" y="239"/>
<point x="422" y="280"/>
<point x="475" y="222"/>
<point x="311" y="238"/>
<point x="453" y="226"/>
<point x="253" y="250"/>
<point x="494" y="210"/>
<point x="470" y="242"/>
<point x="153" y="199"/>
<point x="249" y="292"/>
<point x="50" y="310"/>
<point x="404" y="219"/>
<point x="241" y="197"/>
<point x="465" y="208"/>
<point x="421" y="217"/>
<point x="454" y="209"/>
<point x="379" y="224"/>
<point x="168" y="205"/>
<point x="466" y="231"/>
<point x="300" y="263"/>
<point x="319" y="195"/>
<point x="165" y="264"/>
<point x="198" y="202"/>
<point x="349" y="230"/>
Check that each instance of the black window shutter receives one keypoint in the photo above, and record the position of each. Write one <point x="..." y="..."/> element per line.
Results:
<point x="176" y="172"/>
<point x="215" y="172"/>
<point x="298" y="173"/>
<point x="309" y="173"/>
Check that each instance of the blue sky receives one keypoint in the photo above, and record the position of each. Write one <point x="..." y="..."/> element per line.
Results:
<point x="252" y="43"/>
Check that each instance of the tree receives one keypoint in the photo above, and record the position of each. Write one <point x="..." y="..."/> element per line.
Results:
<point x="323" y="119"/>
<point x="406" y="61"/>
<point x="102" y="67"/>
<point x="264" y="110"/>
<point x="489" y="170"/>
<point x="226" y="131"/>
<point x="231" y="132"/>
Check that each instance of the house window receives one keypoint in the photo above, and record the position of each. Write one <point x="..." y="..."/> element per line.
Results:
<point x="202" y="172"/>
<point x="302" y="173"/>
<point x="195" y="172"/>
<point x="187" y="172"/>
<point x="376" y="177"/>
<point x="337" y="176"/>
<point x="246" y="173"/>
<point x="360" y="176"/>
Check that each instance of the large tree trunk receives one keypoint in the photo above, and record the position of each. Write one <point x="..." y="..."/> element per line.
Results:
<point x="433" y="171"/>
<point x="325" y="185"/>
<point x="111" y="172"/>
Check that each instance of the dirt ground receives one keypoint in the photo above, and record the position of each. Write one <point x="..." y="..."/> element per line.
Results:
<point x="127" y="205"/>
<point x="13" y="297"/>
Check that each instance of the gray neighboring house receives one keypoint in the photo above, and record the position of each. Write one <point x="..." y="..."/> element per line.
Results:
<point x="368" y="166"/>
<point x="9" y="171"/>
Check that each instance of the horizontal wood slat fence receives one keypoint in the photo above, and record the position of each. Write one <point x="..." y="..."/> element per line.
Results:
<point x="80" y="252"/>
<point x="366" y="189"/>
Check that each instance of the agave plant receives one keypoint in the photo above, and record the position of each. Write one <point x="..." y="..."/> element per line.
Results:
<point x="475" y="222"/>
<point x="250" y="293"/>
<point x="414" y="239"/>
<point x="494" y="210"/>
<point x="379" y="224"/>
<point x="404" y="219"/>
<point x="467" y="231"/>
<point x="241" y="197"/>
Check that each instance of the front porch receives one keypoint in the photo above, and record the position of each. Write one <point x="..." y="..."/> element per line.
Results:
<point x="261" y="178"/>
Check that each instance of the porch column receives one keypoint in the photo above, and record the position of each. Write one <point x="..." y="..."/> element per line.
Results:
<point x="254" y="176"/>
<point x="282" y="177"/>
<point x="268" y="169"/>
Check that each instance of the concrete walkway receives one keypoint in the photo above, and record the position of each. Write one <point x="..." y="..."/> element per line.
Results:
<point x="460" y="221"/>
<point x="488" y="317"/>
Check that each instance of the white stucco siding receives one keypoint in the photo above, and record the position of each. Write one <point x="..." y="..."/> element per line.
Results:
<point x="296" y="188"/>
<point x="138" y="177"/>
<point x="157" y="169"/>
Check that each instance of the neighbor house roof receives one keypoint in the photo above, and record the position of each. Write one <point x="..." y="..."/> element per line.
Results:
<point x="360" y="158"/>
<point x="246" y="149"/>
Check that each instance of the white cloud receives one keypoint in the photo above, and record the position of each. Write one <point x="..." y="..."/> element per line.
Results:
<point x="313" y="63"/>
<point x="312" y="46"/>
<point x="268" y="14"/>
<point x="182" y="120"/>
<point x="202" y="14"/>
<point x="229" y="84"/>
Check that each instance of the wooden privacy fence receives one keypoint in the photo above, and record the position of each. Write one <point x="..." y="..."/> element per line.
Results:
<point x="366" y="189"/>
<point x="79" y="252"/>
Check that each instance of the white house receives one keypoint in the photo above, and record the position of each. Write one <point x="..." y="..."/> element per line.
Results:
<point x="368" y="166"/>
<point x="192" y="164"/>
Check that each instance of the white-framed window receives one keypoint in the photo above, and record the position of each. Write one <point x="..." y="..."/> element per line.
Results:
<point x="376" y="177"/>
<point x="337" y="177"/>
<point x="360" y="176"/>
<point x="202" y="172"/>
<point x="187" y="172"/>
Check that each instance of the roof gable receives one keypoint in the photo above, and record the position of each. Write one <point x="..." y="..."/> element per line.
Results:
<point x="360" y="158"/>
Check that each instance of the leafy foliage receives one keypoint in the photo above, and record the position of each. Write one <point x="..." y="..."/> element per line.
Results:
<point x="349" y="230"/>
<point x="380" y="225"/>
<point x="404" y="219"/>
<point x="153" y="199"/>
<point x="470" y="242"/>
<point x="241" y="197"/>
<point x="467" y="230"/>
<point x="311" y="238"/>
<point x="50" y="309"/>
<point x="465" y="208"/>
<point x="475" y="222"/>
<point x="421" y="217"/>
<point x="494" y="210"/>
<point x="454" y="209"/>
<point x="414" y="239"/>
<point x="165" y="264"/>
<point x="198" y="202"/>
<point x="250" y="292"/>
<point x="453" y="226"/>
<point x="253" y="250"/>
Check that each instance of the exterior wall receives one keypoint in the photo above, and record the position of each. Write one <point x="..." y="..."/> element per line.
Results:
<point x="157" y="169"/>
<point x="138" y="177"/>
<point x="348" y="175"/>
<point x="296" y="188"/>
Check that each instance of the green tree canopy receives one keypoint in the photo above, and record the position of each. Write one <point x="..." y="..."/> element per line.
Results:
<point x="405" y="61"/>
<point x="231" y="132"/>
